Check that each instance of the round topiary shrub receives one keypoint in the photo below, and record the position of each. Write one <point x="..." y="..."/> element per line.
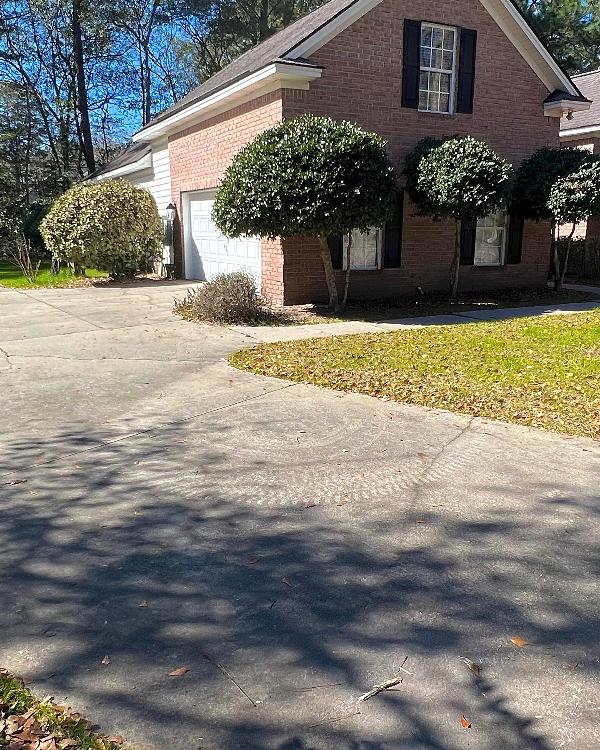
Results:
<point x="111" y="225"/>
<point x="311" y="176"/>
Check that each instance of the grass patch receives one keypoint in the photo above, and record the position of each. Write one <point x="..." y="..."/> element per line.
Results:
<point x="437" y="304"/>
<point x="541" y="372"/>
<point x="29" y="722"/>
<point x="11" y="276"/>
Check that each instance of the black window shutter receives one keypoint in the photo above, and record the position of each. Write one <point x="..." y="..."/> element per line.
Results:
<point x="514" y="245"/>
<point x="411" y="56"/>
<point x="466" y="71"/>
<point x="392" y="235"/>
<point x="467" y="242"/>
<point x="336" y="247"/>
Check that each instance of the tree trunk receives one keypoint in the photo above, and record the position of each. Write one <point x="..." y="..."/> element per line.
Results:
<point x="82" y="97"/>
<point x="455" y="269"/>
<point x="348" y="266"/>
<point x="555" y="254"/>
<point x="329" y="274"/>
<point x="565" y="267"/>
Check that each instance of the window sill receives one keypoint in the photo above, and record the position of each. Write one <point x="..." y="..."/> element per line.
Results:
<point x="439" y="114"/>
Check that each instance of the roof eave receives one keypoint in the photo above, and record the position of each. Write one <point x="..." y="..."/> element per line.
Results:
<point x="278" y="74"/>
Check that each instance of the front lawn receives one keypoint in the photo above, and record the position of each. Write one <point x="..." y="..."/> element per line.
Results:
<point x="542" y="372"/>
<point x="11" y="276"/>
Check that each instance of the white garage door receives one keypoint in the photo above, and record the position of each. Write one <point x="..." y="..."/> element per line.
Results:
<point x="207" y="251"/>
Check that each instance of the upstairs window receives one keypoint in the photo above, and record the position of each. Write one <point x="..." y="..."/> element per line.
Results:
<point x="437" y="68"/>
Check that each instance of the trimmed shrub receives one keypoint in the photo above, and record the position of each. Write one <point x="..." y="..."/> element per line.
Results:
<point x="311" y="176"/>
<point x="536" y="176"/>
<point x="228" y="298"/>
<point x="459" y="178"/>
<point x="111" y="225"/>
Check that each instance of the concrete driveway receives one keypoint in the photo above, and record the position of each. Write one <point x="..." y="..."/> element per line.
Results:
<point x="290" y="546"/>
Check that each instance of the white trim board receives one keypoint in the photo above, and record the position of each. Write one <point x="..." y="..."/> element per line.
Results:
<point x="270" y="78"/>
<point x="587" y="130"/>
<point x="137" y="166"/>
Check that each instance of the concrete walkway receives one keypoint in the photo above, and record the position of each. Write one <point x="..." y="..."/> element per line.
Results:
<point x="291" y="546"/>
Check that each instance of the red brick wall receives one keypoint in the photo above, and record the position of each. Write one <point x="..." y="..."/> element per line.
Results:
<point x="200" y="155"/>
<point x="362" y="82"/>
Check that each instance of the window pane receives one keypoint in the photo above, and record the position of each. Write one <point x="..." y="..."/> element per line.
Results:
<point x="424" y="80"/>
<point x="444" y="84"/>
<point x="438" y="38"/>
<point x="444" y="103"/>
<point x="422" y="99"/>
<point x="426" y="36"/>
<point x="449" y="39"/>
<point x="447" y="58"/>
<point x="436" y="58"/>
<point x="364" y="250"/>
<point x="489" y="240"/>
<point x="425" y="57"/>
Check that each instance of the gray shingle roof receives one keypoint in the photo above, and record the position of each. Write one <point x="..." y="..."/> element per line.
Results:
<point x="273" y="49"/>
<point x="589" y="85"/>
<point x="132" y="153"/>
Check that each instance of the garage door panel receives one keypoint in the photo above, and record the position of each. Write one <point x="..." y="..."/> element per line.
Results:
<point x="208" y="252"/>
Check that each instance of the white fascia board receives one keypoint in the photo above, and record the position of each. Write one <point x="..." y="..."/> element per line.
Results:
<point x="137" y="166"/>
<point x="522" y="36"/>
<point x="503" y="12"/>
<point x="590" y="130"/>
<point x="271" y="77"/>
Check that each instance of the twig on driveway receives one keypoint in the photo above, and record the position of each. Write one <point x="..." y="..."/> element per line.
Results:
<point x="332" y="721"/>
<point x="402" y="669"/>
<point x="380" y="688"/>
<point x="229" y="677"/>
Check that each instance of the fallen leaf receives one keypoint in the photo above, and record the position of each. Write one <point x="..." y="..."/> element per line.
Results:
<point x="518" y="641"/>
<point x="179" y="672"/>
<point x="421" y="520"/>
<point x="253" y="560"/>
<point x="106" y="660"/>
<point x="464" y="722"/>
<point x="117" y="739"/>
<point x="573" y="667"/>
<point x="66" y="743"/>
<point x="143" y="603"/>
<point x="287" y="583"/>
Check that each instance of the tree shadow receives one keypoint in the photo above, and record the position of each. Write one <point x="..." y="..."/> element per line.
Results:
<point x="159" y="552"/>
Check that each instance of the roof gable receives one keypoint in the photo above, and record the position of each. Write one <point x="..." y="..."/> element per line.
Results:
<point x="303" y="37"/>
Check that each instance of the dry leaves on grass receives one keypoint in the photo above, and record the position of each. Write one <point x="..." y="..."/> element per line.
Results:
<point x="27" y="723"/>
<point x="540" y="372"/>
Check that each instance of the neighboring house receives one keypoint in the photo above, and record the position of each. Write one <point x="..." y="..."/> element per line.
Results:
<point x="405" y="69"/>
<point x="582" y="130"/>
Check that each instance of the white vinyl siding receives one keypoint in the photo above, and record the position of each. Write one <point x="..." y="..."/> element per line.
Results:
<point x="156" y="179"/>
<point x="438" y="68"/>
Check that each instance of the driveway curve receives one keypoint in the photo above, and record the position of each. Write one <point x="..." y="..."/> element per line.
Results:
<point x="290" y="546"/>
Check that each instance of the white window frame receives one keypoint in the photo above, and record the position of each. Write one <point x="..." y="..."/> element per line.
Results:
<point x="452" y="73"/>
<point x="377" y="267"/>
<point x="502" y="247"/>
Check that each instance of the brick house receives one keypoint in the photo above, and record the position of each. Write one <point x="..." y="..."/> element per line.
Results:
<point x="405" y="70"/>
<point x="582" y="130"/>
